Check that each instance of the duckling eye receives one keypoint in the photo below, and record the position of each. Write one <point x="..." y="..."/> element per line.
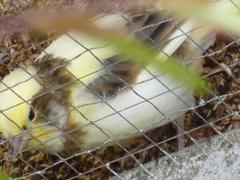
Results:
<point x="31" y="114"/>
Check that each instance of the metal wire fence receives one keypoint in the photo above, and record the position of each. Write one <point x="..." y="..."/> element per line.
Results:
<point x="208" y="116"/>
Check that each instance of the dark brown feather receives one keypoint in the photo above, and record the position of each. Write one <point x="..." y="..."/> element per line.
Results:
<point x="56" y="83"/>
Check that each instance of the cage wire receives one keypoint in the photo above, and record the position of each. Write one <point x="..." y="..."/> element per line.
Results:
<point x="212" y="115"/>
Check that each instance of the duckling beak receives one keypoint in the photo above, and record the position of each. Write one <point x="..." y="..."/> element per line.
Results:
<point x="18" y="144"/>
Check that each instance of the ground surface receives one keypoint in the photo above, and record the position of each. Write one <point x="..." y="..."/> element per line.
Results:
<point x="217" y="159"/>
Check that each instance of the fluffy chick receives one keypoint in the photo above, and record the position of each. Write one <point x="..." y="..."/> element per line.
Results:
<point x="80" y="94"/>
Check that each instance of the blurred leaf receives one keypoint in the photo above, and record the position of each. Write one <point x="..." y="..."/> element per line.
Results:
<point x="143" y="54"/>
<point x="222" y="13"/>
<point x="136" y="51"/>
<point x="10" y="25"/>
<point x="129" y="48"/>
<point x="3" y="176"/>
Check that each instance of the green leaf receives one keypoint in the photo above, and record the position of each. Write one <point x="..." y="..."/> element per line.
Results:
<point x="224" y="14"/>
<point x="144" y="55"/>
<point x="3" y="176"/>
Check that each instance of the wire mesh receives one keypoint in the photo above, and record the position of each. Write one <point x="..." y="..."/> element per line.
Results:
<point x="208" y="116"/>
